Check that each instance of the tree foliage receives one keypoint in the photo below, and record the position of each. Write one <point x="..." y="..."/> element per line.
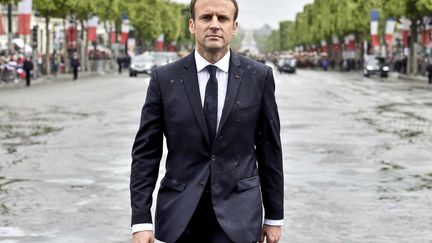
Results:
<point x="322" y="19"/>
<point x="149" y="18"/>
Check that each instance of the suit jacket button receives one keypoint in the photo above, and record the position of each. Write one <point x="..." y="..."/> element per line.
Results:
<point x="213" y="158"/>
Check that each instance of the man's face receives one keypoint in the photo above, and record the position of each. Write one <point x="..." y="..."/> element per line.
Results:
<point x="214" y="25"/>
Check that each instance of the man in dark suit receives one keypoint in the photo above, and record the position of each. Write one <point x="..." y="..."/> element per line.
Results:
<point x="218" y="113"/>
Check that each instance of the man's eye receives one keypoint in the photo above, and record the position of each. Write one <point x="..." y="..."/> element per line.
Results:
<point x="223" y="19"/>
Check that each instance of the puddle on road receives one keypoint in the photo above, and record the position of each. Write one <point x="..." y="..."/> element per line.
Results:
<point x="390" y="166"/>
<point x="394" y="118"/>
<point x="74" y="183"/>
<point x="26" y="126"/>
<point x="4" y="209"/>
<point x="397" y="181"/>
<point x="11" y="232"/>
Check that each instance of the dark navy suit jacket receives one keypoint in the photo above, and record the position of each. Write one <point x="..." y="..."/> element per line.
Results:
<point x="245" y="160"/>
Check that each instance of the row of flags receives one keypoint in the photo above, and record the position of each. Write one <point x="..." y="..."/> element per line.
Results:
<point x="390" y="25"/>
<point x="349" y="41"/>
<point x="389" y="29"/>
<point x="24" y="28"/>
<point x="24" y="17"/>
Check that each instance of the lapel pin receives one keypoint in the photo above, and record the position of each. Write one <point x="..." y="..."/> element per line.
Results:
<point x="237" y="76"/>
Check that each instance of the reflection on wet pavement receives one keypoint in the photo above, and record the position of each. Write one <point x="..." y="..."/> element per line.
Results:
<point x="357" y="159"/>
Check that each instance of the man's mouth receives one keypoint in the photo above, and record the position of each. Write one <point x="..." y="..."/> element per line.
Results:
<point x="214" y="36"/>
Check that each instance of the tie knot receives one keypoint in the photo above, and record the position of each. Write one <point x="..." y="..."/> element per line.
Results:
<point x="212" y="70"/>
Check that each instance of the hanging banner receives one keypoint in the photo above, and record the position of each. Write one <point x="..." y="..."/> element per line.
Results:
<point x="335" y="40"/>
<point x="124" y="28"/>
<point x="172" y="46"/>
<point x="113" y="36"/>
<point x="159" y="44"/>
<point x="92" y="27"/>
<point x="374" y="27"/>
<point x="406" y="23"/>
<point x="324" y="47"/>
<point x="71" y="37"/>
<point x="350" y="44"/>
<point x="427" y="21"/>
<point x="389" y="31"/>
<point x="2" y="30"/>
<point x="24" y="17"/>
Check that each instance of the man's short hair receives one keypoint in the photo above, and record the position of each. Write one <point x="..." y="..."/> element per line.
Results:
<point x="192" y="8"/>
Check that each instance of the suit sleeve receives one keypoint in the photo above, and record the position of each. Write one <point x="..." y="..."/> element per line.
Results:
<point x="146" y="154"/>
<point x="269" y="153"/>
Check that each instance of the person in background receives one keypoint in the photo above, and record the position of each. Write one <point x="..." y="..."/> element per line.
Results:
<point x="28" y="67"/>
<point x="75" y="64"/>
<point x="429" y="69"/>
<point x="120" y="60"/>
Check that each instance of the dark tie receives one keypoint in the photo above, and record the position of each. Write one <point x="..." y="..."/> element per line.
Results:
<point x="210" y="102"/>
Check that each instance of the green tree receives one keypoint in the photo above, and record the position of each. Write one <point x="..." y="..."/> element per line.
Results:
<point x="145" y="19"/>
<point x="171" y="21"/>
<point x="80" y="11"/>
<point x="48" y="9"/>
<point x="4" y="2"/>
<point x="414" y="10"/>
<point x="425" y="6"/>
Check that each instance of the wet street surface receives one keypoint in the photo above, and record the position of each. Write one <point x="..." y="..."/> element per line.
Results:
<point x="357" y="158"/>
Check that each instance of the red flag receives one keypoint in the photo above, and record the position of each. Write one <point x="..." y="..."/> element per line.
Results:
<point x="406" y="23"/>
<point x="2" y="30"/>
<point x="72" y="37"/>
<point x="389" y="31"/>
<point x="24" y="16"/>
<point x="92" y="27"/>
<point x="426" y="37"/>
<point x="172" y="46"/>
<point x="124" y="29"/>
<point x="124" y="37"/>
<point x="159" y="45"/>
<point x="113" y="37"/>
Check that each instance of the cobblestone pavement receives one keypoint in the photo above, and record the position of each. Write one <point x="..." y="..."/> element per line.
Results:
<point x="357" y="159"/>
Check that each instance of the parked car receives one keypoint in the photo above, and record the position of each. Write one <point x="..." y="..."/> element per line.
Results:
<point x="143" y="63"/>
<point x="163" y="57"/>
<point x="375" y="65"/>
<point x="146" y="62"/>
<point x="287" y="65"/>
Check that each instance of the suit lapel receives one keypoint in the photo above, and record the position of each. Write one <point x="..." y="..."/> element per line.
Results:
<point x="190" y="82"/>
<point x="234" y="80"/>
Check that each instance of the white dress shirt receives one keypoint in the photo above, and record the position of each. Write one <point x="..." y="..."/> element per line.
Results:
<point x="203" y="77"/>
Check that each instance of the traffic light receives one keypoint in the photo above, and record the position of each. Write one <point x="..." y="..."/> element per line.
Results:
<point x="34" y="36"/>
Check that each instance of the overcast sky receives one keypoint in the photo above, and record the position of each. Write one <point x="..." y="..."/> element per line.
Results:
<point x="256" y="13"/>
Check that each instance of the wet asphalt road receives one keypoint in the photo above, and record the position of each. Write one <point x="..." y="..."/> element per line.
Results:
<point x="357" y="156"/>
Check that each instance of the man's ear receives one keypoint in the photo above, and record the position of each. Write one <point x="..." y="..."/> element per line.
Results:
<point x="191" y="26"/>
<point x="235" y="26"/>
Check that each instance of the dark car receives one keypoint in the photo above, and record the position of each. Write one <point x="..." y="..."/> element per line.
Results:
<point x="287" y="65"/>
<point x="143" y="63"/>
<point x="374" y="65"/>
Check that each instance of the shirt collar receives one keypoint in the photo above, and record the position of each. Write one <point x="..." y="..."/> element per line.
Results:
<point x="222" y="64"/>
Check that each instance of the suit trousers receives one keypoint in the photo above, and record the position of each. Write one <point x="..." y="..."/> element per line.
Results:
<point x="203" y="226"/>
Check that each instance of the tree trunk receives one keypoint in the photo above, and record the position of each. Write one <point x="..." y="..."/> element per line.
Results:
<point x="47" y="50"/>
<point x="80" y="45"/>
<point x="85" y="51"/>
<point x="412" y="60"/>
<point x="65" y="50"/>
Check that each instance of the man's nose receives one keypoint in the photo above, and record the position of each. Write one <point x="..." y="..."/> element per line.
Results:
<point x="214" y="23"/>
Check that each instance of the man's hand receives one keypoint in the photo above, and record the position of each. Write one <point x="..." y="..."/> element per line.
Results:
<point x="272" y="234"/>
<point x="143" y="237"/>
